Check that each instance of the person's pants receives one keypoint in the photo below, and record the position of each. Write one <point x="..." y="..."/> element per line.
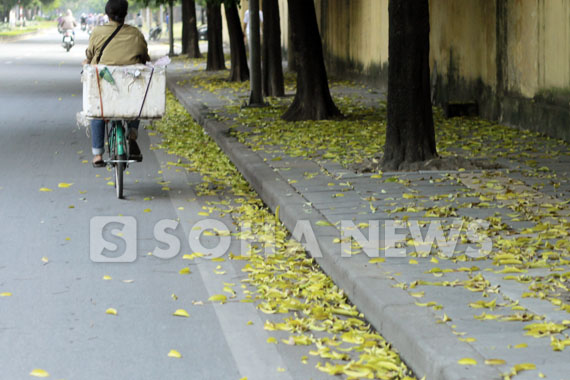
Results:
<point x="98" y="134"/>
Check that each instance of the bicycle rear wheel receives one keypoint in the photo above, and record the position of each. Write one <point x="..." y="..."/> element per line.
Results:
<point x="119" y="171"/>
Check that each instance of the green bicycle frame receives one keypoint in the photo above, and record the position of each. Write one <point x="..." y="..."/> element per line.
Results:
<point x="117" y="137"/>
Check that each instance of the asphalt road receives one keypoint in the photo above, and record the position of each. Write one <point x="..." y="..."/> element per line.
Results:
<point x="54" y="298"/>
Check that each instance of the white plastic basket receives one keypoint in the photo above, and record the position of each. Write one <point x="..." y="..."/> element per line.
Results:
<point x="124" y="98"/>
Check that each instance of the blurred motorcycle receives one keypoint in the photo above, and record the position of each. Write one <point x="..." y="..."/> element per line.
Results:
<point x="68" y="39"/>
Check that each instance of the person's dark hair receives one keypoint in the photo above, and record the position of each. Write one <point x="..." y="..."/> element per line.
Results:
<point x="117" y="10"/>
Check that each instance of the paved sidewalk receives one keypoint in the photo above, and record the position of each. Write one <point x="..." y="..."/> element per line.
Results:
<point x="512" y="305"/>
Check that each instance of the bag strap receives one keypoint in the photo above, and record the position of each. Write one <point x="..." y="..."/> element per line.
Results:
<point x="107" y="42"/>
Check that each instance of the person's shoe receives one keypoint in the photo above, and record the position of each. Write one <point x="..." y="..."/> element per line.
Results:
<point x="134" y="151"/>
<point x="98" y="163"/>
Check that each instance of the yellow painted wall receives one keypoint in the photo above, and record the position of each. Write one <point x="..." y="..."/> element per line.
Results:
<point x="553" y="30"/>
<point x="463" y="33"/>
<point x="356" y="30"/>
<point x="538" y="45"/>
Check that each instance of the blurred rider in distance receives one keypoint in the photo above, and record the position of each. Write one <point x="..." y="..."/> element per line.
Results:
<point x="67" y="22"/>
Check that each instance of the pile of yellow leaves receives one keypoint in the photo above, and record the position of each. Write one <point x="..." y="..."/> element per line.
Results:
<point x="287" y="282"/>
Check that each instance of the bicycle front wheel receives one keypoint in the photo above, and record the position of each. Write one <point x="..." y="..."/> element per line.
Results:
<point x="119" y="171"/>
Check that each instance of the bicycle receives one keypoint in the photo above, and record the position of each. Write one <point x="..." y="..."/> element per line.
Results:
<point x="118" y="151"/>
<point x="130" y="82"/>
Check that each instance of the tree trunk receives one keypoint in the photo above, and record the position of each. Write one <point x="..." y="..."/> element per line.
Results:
<point x="291" y="64"/>
<point x="313" y="100"/>
<point x="410" y="135"/>
<point x="185" y="25"/>
<point x="256" y="96"/>
<point x="6" y="13"/>
<point x="171" y="27"/>
<point x="239" y="71"/>
<point x="215" y="44"/>
<point x="272" y="65"/>
<point x="189" y="30"/>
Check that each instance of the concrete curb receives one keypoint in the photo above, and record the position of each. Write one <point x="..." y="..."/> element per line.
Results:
<point x="429" y="348"/>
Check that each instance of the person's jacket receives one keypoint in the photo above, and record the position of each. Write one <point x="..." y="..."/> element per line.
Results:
<point x="128" y="47"/>
<point x="68" y="22"/>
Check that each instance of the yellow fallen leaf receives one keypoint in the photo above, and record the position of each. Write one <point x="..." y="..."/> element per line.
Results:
<point x="272" y="339"/>
<point x="5" y="294"/>
<point x="64" y="185"/>
<point x="111" y="311"/>
<point x="39" y="373"/>
<point x="218" y="298"/>
<point x="45" y="259"/>
<point x="524" y="367"/>
<point x="521" y="345"/>
<point x="377" y="260"/>
<point x="174" y="354"/>
<point x="467" y="361"/>
<point x="413" y="261"/>
<point x="45" y="189"/>
<point x="181" y="313"/>
<point x="106" y="277"/>
<point x="147" y="210"/>
<point x="229" y="290"/>
<point x="495" y="362"/>
<point x="192" y="256"/>
<point x="559" y="344"/>
<point x="279" y="369"/>
<point x="185" y="271"/>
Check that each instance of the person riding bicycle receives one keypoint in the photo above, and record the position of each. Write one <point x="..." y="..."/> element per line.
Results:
<point x="127" y="47"/>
